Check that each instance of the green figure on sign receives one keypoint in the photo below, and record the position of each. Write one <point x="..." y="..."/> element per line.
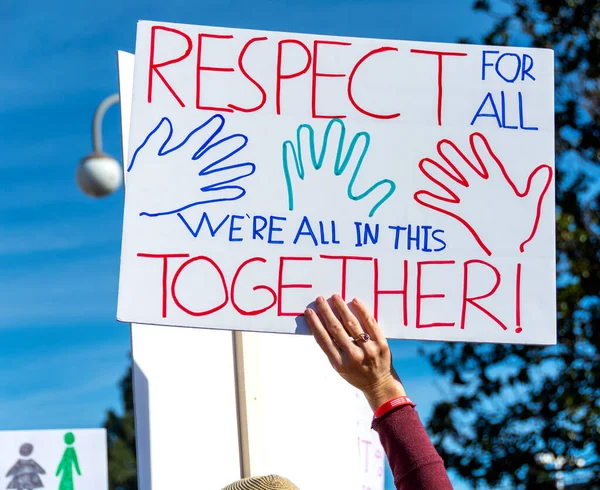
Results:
<point x="68" y="461"/>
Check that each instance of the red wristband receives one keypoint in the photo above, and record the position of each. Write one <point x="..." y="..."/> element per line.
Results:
<point x="393" y="403"/>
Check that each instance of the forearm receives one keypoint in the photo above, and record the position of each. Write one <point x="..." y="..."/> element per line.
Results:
<point x="415" y="463"/>
<point x="359" y="352"/>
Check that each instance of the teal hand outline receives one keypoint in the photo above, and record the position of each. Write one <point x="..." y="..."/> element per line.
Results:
<point x="341" y="162"/>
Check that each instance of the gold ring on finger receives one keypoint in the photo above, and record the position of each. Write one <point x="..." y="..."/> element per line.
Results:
<point x="362" y="337"/>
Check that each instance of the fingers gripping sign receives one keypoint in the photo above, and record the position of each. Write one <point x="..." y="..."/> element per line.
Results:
<point x="212" y="158"/>
<point x="481" y="193"/>
<point x="301" y="155"/>
<point x="366" y="365"/>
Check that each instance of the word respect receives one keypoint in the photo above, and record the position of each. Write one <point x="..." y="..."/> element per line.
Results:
<point x="206" y="43"/>
<point x="417" y="285"/>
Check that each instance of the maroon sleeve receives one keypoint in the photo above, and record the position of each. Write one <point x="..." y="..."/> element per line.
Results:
<point x="415" y="463"/>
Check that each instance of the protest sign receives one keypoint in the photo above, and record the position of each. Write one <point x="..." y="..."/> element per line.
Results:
<point x="267" y="168"/>
<point x="62" y="459"/>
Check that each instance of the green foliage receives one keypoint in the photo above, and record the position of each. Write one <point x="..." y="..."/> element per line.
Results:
<point x="511" y="404"/>
<point x="122" y="470"/>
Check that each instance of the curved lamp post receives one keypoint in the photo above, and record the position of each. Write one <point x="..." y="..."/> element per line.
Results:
<point x="99" y="174"/>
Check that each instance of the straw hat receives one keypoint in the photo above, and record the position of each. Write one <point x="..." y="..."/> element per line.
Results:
<point x="270" y="482"/>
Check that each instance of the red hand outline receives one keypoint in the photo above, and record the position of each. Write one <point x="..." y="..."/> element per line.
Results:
<point x="481" y="170"/>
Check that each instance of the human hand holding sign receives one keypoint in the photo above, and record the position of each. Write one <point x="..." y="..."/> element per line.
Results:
<point x="515" y="213"/>
<point x="206" y="173"/>
<point x="358" y="350"/>
<point x="345" y="164"/>
<point x="366" y="361"/>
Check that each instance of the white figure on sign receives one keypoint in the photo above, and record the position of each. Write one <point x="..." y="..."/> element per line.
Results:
<point x="25" y="472"/>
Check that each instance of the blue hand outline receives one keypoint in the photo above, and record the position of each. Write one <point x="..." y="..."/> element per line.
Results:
<point x="340" y="165"/>
<point x="210" y="169"/>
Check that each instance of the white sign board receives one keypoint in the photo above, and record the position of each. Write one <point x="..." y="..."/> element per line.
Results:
<point x="62" y="459"/>
<point x="267" y="168"/>
<point x="324" y="444"/>
<point x="168" y="415"/>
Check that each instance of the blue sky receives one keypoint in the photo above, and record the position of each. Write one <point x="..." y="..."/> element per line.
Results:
<point x="61" y="350"/>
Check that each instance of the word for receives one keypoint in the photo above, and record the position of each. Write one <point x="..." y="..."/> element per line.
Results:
<point x="270" y="230"/>
<point x="285" y="48"/>
<point x="522" y="64"/>
<point x="469" y="299"/>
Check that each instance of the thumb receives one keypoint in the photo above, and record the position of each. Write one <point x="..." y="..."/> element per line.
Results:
<point x="382" y="190"/>
<point x="154" y="142"/>
<point x="538" y="184"/>
<point x="377" y="194"/>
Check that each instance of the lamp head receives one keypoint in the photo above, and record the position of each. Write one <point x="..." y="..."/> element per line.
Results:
<point x="99" y="175"/>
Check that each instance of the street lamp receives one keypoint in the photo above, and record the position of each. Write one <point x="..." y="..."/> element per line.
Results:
<point x="99" y="174"/>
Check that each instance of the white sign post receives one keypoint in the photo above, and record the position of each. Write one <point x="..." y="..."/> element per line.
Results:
<point x="267" y="168"/>
<point x="62" y="459"/>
